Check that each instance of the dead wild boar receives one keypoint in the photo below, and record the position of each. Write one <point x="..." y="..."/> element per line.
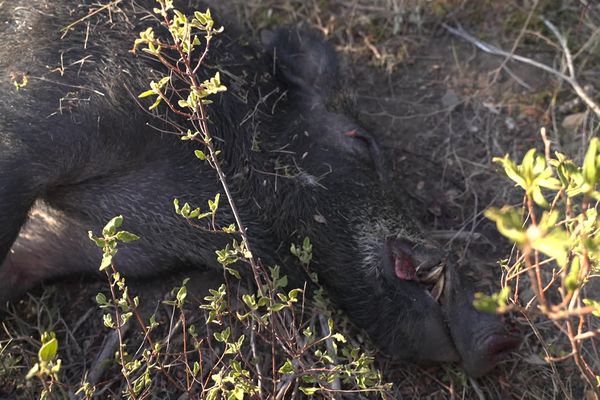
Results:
<point x="76" y="149"/>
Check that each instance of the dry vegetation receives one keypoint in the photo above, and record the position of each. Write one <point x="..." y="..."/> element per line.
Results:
<point x="446" y="109"/>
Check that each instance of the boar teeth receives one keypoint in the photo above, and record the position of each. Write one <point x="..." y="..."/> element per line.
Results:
<point x="432" y="276"/>
<point x="438" y="288"/>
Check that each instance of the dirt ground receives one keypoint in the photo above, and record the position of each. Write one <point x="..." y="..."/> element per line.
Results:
<point x="445" y="109"/>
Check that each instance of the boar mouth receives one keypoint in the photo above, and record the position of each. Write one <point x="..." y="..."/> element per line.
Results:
<point x="433" y="279"/>
<point x="406" y="261"/>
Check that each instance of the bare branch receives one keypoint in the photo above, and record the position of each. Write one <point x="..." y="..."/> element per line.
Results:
<point x="570" y="79"/>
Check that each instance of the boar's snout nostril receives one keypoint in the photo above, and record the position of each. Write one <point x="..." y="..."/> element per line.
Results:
<point x="500" y="344"/>
<point x="488" y="352"/>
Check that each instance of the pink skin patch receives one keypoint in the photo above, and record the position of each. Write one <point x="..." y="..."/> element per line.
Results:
<point x="404" y="267"/>
<point x="399" y="259"/>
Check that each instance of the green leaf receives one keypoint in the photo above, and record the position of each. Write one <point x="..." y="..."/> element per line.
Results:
<point x="549" y="182"/>
<point x="307" y="332"/>
<point x="147" y="93"/>
<point x="553" y="244"/>
<point x="278" y="307"/>
<point x="287" y="368"/>
<point x="538" y="197"/>
<point x="511" y="170"/>
<point x="33" y="371"/>
<point x="508" y="222"/>
<point x="309" y="391"/>
<point x="156" y="103"/>
<point x="111" y="227"/>
<point x="250" y="301"/>
<point x="275" y="272"/>
<point x="233" y="272"/>
<point x="572" y="279"/>
<point x="591" y="163"/>
<point x="100" y="242"/>
<point x="106" y="261"/>
<point x="549" y="220"/>
<point x="528" y="160"/>
<point x="223" y="336"/>
<point x="262" y="301"/>
<point x="127" y="237"/>
<point x="293" y="294"/>
<point x="163" y="81"/>
<point x="200" y="154"/>
<point x="213" y="393"/>
<point x="229" y="229"/>
<point x="490" y="304"/>
<point x="101" y="299"/>
<point x="24" y="81"/>
<point x="282" y="297"/>
<point x="204" y="215"/>
<point x="213" y="205"/>
<point x="48" y="350"/>
<point x="108" y="321"/>
<point x="237" y="393"/>
<point x="339" y="337"/>
<point x="181" y="295"/>
<point x="306" y="243"/>
<point x="185" y="210"/>
<point x="283" y="282"/>
<point x="125" y="317"/>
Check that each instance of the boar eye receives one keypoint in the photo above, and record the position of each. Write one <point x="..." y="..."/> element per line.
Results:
<point x="374" y="151"/>
<point x="363" y="138"/>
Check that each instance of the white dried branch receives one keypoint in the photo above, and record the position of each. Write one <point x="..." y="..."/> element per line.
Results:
<point x="570" y="78"/>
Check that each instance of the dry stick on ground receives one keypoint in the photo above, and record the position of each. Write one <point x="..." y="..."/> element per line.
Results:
<point x="67" y="28"/>
<point x="570" y="78"/>
<point x="109" y="347"/>
<point x="517" y="41"/>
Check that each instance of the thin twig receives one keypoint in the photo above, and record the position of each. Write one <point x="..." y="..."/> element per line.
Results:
<point x="67" y="28"/>
<point x="516" y="43"/>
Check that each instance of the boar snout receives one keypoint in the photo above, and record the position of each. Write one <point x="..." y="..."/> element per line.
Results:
<point x="481" y="338"/>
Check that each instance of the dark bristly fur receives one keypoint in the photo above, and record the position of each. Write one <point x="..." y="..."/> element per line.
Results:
<point x="76" y="149"/>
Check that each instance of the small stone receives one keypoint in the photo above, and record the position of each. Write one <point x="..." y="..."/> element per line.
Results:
<point x="574" y="121"/>
<point x="450" y="100"/>
<point x="510" y="124"/>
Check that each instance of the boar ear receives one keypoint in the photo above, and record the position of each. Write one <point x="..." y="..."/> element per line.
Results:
<point x="302" y="59"/>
